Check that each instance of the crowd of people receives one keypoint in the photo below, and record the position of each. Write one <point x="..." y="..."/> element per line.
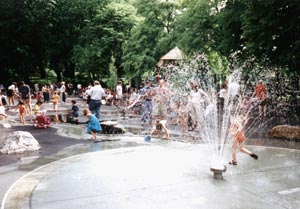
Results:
<point x="153" y="100"/>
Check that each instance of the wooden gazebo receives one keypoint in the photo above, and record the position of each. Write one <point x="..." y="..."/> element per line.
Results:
<point x="173" y="55"/>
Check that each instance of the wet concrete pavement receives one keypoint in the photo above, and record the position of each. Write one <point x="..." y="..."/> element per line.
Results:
<point x="169" y="175"/>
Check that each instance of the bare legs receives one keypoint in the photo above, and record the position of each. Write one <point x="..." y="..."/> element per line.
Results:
<point x="262" y="110"/>
<point x="239" y="146"/>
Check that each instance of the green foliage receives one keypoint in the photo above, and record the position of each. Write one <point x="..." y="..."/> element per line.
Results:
<point x="24" y="37"/>
<point x="149" y="39"/>
<point x="88" y="38"/>
<point x="196" y="28"/>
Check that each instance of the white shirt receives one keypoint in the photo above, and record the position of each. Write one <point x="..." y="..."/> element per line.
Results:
<point x="97" y="92"/>
<point x="62" y="88"/>
<point x="119" y="90"/>
<point x="233" y="89"/>
<point x="12" y="87"/>
<point x="195" y="97"/>
<point x="223" y="93"/>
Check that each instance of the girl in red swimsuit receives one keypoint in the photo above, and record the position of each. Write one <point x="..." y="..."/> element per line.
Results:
<point x="236" y="130"/>
<point x="22" y="112"/>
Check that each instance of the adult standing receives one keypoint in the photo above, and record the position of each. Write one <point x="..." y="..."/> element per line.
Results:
<point x="146" y="94"/>
<point x="25" y="95"/>
<point x="221" y="100"/>
<point x="11" y="93"/>
<point x="119" y="92"/>
<point x="70" y="88"/>
<point x="36" y="88"/>
<point x="161" y="100"/>
<point x="46" y="93"/>
<point x="96" y="93"/>
<point x="196" y="105"/>
<point x="261" y="93"/>
<point x="63" y="92"/>
<point x="234" y="93"/>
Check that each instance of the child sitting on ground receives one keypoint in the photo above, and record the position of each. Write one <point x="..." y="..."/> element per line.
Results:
<point x="160" y="127"/>
<point x="37" y="107"/>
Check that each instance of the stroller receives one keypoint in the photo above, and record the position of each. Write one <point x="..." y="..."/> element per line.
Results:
<point x="42" y="120"/>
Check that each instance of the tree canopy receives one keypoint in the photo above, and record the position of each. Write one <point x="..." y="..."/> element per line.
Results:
<point x="83" y="40"/>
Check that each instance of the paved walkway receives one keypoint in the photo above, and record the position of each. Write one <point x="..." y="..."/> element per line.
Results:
<point x="160" y="175"/>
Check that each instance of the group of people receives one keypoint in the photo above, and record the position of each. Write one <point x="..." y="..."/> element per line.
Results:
<point x="159" y="105"/>
<point x="157" y="102"/>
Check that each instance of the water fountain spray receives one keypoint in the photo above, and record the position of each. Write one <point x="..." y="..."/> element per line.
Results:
<point x="213" y="118"/>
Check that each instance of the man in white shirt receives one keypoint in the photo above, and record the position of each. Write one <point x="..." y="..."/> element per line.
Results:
<point x="96" y="93"/>
<point x="63" y="92"/>
<point x="119" y="91"/>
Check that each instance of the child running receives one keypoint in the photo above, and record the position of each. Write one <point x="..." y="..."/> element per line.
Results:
<point x="93" y="126"/>
<point x="236" y="130"/>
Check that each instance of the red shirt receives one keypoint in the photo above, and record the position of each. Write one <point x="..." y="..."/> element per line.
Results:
<point x="261" y="91"/>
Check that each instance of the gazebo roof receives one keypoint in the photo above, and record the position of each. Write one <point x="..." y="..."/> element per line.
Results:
<point x="173" y="54"/>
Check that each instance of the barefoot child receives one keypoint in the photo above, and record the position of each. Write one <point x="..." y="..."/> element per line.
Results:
<point x="55" y="100"/>
<point x="22" y="111"/>
<point x="159" y="128"/>
<point x="236" y="130"/>
<point x="93" y="126"/>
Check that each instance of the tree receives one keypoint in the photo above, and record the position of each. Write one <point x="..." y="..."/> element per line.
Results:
<point x="150" y="37"/>
<point x="197" y="28"/>
<point x="24" y="37"/>
<point x="101" y="40"/>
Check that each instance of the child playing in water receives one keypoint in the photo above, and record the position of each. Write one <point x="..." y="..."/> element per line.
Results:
<point x="236" y="130"/>
<point x="22" y="112"/>
<point x="160" y="127"/>
<point x="75" y="110"/>
<point x="55" y="100"/>
<point x="37" y="107"/>
<point x="94" y="125"/>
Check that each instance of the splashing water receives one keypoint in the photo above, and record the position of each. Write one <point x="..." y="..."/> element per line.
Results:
<point x="213" y="116"/>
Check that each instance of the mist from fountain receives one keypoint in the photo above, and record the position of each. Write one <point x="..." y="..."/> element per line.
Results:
<point x="214" y="118"/>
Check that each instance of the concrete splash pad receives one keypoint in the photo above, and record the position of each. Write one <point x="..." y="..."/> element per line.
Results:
<point x="173" y="175"/>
